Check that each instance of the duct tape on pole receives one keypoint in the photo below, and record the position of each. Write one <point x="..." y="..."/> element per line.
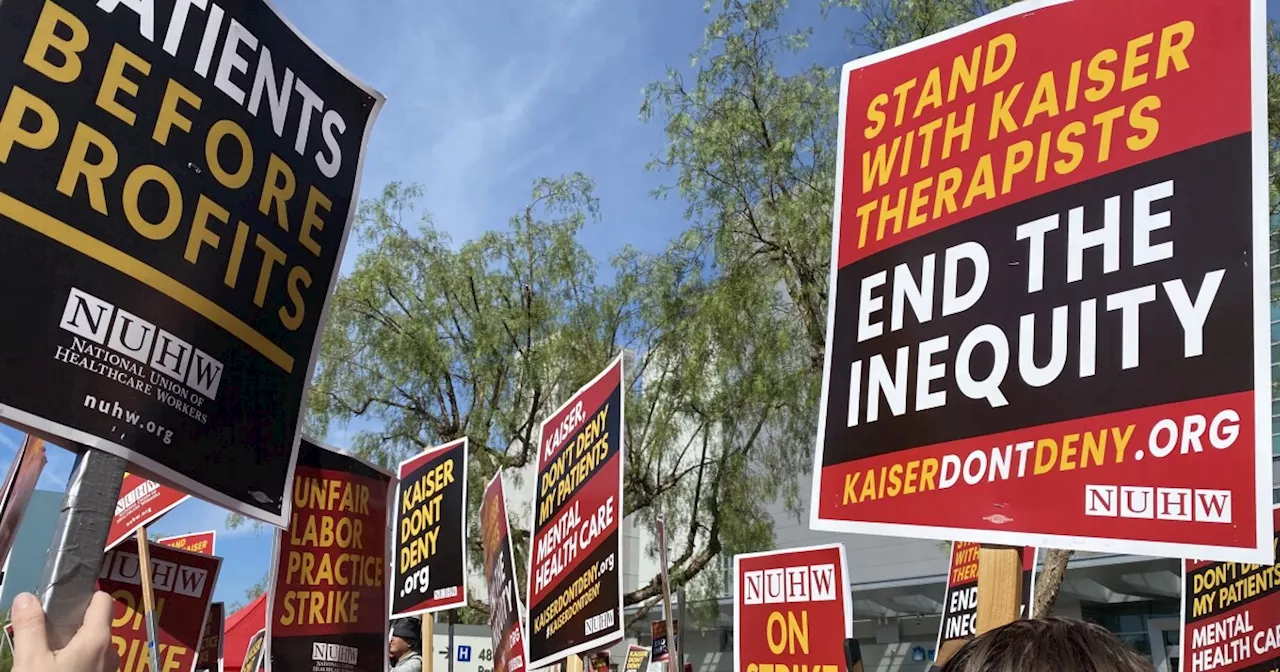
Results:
<point x="75" y="556"/>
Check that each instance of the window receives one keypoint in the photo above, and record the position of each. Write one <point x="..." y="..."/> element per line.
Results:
<point x="1129" y="620"/>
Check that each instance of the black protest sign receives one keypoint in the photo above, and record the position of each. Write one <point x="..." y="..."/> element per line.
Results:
<point x="209" y="657"/>
<point x="329" y="608"/>
<point x="1061" y="295"/>
<point x="180" y="177"/>
<point x="575" y="576"/>
<point x="960" y="603"/>
<point x="430" y="555"/>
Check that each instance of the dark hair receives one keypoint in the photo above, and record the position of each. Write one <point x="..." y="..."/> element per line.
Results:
<point x="1048" y="645"/>
<point x="410" y="630"/>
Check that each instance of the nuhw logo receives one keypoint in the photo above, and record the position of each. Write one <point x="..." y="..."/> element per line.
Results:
<point x="168" y="577"/>
<point x="120" y="331"/>
<point x="808" y="583"/>
<point x="322" y="652"/>
<point x="1182" y="504"/>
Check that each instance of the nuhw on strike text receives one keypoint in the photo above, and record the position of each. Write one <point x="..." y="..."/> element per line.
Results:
<point x="254" y="252"/>
<point x="787" y="634"/>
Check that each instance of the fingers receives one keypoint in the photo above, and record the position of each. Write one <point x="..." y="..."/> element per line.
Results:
<point x="111" y="660"/>
<point x="30" y="641"/>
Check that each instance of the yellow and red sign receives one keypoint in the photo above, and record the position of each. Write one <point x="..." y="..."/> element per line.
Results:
<point x="141" y="502"/>
<point x="792" y="610"/>
<point x="1231" y="614"/>
<point x="196" y="542"/>
<point x="1049" y="306"/>
<point x="329" y="599"/>
<point x="182" y="583"/>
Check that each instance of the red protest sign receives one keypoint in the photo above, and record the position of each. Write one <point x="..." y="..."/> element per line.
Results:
<point x="505" y="629"/>
<point x="1037" y="335"/>
<point x="330" y="607"/>
<point x="791" y="609"/>
<point x="196" y="542"/>
<point x="183" y="583"/>
<point x="141" y="502"/>
<point x="575" y="574"/>
<point x="1231" y="614"/>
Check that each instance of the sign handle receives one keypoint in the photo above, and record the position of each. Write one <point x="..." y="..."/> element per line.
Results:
<point x="428" y="642"/>
<point x="999" y="586"/>
<point x="75" y="557"/>
<point x="148" y="598"/>
<point x="673" y="648"/>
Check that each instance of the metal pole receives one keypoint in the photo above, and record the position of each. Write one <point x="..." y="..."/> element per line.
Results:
<point x="75" y="556"/>
<point x="453" y="613"/>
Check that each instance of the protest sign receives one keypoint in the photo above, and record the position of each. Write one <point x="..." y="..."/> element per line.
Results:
<point x="792" y="609"/>
<point x="500" y="580"/>
<point x="1231" y="614"/>
<point x="254" y="660"/>
<point x="142" y="501"/>
<point x="430" y="522"/>
<point x="183" y="583"/>
<point x="20" y="484"/>
<point x="190" y="170"/>
<point x="960" y="603"/>
<point x="329" y="600"/>
<point x="1049" y="303"/>
<point x="660" y="650"/>
<point x="575" y="575"/>
<point x="196" y="542"/>
<point x="209" y="657"/>
<point x="637" y="659"/>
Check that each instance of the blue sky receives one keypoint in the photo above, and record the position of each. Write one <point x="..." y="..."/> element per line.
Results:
<point x="484" y="97"/>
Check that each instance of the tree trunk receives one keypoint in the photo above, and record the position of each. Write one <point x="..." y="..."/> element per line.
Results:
<point x="1050" y="581"/>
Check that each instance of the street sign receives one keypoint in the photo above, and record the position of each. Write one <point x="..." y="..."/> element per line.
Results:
<point x="1049" y="301"/>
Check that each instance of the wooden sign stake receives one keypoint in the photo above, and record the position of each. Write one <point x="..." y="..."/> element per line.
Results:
<point x="148" y="598"/>
<point x="673" y="655"/>
<point x="429" y="643"/>
<point x="999" y="586"/>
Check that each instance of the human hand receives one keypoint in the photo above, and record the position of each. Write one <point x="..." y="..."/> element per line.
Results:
<point x="88" y="651"/>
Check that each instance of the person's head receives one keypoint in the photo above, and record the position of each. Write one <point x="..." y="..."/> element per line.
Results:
<point x="1047" y="645"/>
<point x="406" y="636"/>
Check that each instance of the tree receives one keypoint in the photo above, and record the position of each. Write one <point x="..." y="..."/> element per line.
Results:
<point x="430" y="342"/>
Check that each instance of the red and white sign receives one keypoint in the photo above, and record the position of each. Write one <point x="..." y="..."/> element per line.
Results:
<point x="141" y="503"/>
<point x="791" y="608"/>
<point x="1231" y="614"/>
<point x="1049" y="310"/>
<point x="196" y="542"/>
<point x="183" y="585"/>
